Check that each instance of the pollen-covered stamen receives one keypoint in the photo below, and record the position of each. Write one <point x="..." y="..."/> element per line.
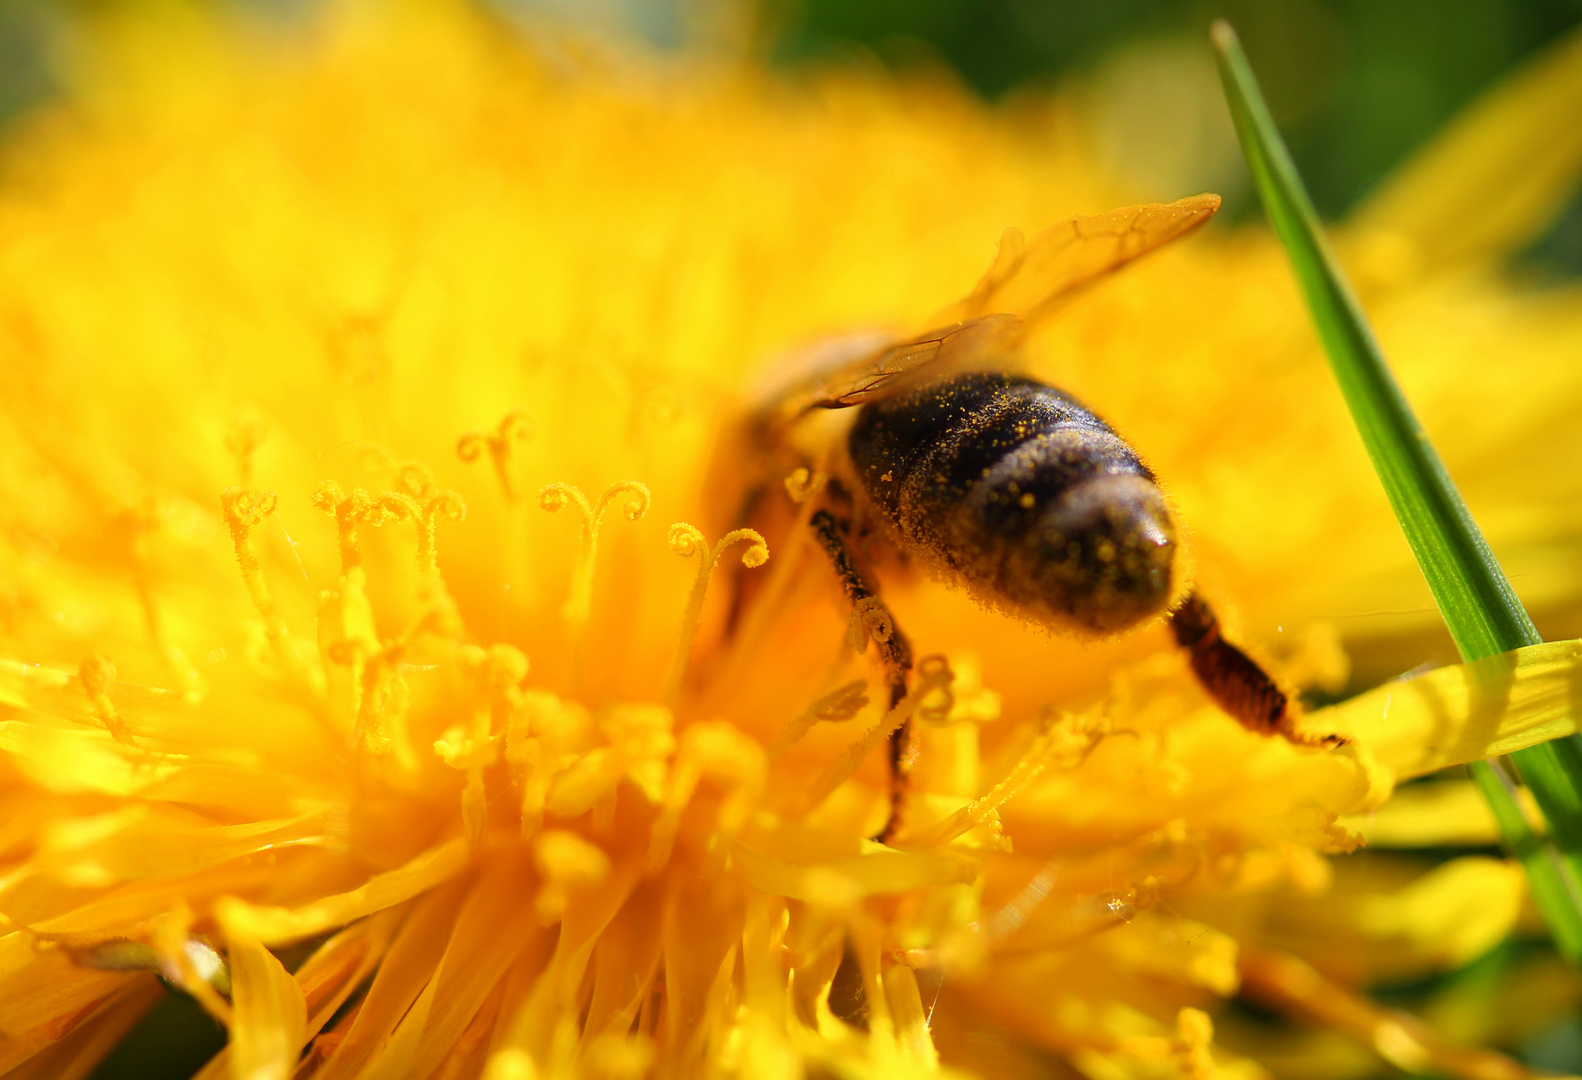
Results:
<point x="501" y="443"/>
<point x="96" y="673"/>
<point x="841" y="704"/>
<point x="445" y="505"/>
<point x="435" y="504"/>
<point x="379" y="674"/>
<point x="347" y="634"/>
<point x="499" y="673"/>
<point x="686" y="540"/>
<point x="933" y="677"/>
<point x="556" y="496"/>
<point x="358" y="508"/>
<point x="244" y="510"/>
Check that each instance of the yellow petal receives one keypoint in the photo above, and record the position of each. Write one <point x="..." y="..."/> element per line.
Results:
<point x="76" y="1056"/>
<point x="270" y="1016"/>
<point x="44" y="995"/>
<point x="844" y="880"/>
<point x="1452" y="914"/>
<point x="1463" y="713"/>
<point x="277" y="924"/>
<point x="490" y="932"/>
<point x="1447" y="813"/>
<point x="407" y="968"/>
<point x="1491" y="181"/>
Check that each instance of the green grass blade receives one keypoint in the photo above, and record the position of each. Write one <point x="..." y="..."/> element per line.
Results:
<point x="1473" y="594"/>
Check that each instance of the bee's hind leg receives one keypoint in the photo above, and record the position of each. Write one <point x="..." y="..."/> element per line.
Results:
<point x="894" y="651"/>
<point x="1234" y="680"/>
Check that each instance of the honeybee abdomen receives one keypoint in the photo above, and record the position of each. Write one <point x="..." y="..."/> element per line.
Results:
<point x="1015" y="487"/>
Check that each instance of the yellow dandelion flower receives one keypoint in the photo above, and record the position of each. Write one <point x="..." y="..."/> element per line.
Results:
<point x="286" y="663"/>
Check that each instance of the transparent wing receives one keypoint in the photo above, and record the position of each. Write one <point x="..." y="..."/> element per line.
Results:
<point x="879" y="374"/>
<point x="1031" y="275"/>
<point x="1028" y="279"/>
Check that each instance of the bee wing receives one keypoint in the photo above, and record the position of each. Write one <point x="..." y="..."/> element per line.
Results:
<point x="1029" y="277"/>
<point x="881" y="373"/>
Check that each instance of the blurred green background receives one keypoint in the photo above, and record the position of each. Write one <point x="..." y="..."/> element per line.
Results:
<point x="1356" y="85"/>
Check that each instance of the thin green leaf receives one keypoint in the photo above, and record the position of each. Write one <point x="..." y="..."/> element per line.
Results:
<point x="1473" y="594"/>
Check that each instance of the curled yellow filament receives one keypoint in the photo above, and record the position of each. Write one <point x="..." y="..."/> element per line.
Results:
<point x="555" y="497"/>
<point x="360" y="508"/>
<point x="687" y="540"/>
<point x="501" y="443"/>
<point x="933" y="679"/>
<point x="445" y="505"/>
<point x="433" y="505"/>
<point x="244" y="510"/>
<point x="840" y="704"/>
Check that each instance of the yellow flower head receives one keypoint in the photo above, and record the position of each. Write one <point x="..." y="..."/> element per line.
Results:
<point x="368" y="554"/>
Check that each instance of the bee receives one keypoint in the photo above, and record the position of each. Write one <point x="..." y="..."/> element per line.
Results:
<point x="1004" y="485"/>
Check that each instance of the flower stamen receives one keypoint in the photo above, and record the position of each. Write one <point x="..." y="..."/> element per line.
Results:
<point x="245" y="509"/>
<point x="434" y="504"/>
<point x="687" y="540"/>
<point x="933" y="675"/>
<point x="840" y="704"/>
<point x="499" y="673"/>
<point x="501" y="443"/>
<point x="556" y="496"/>
<point x="357" y="508"/>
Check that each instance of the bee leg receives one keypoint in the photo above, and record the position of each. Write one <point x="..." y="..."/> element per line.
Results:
<point x="1234" y="680"/>
<point x="894" y="651"/>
